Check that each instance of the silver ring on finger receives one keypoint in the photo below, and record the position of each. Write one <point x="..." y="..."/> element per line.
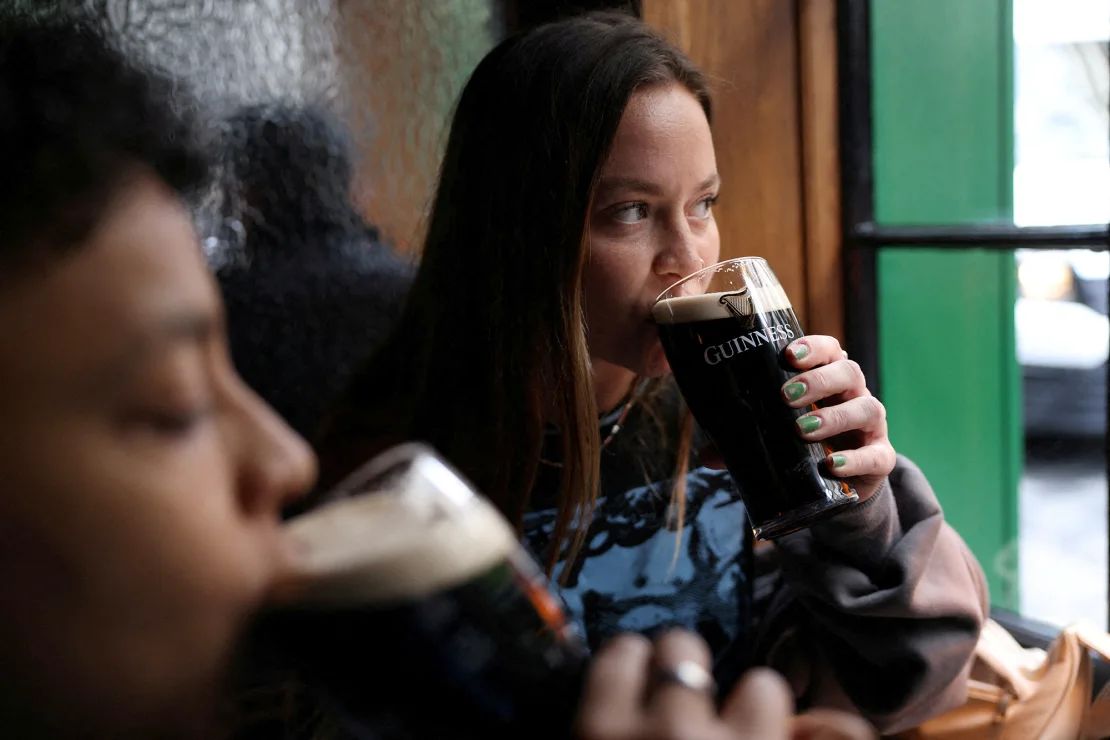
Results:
<point x="688" y="675"/>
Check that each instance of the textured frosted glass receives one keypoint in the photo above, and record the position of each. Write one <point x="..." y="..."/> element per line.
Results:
<point x="404" y="64"/>
<point x="389" y="69"/>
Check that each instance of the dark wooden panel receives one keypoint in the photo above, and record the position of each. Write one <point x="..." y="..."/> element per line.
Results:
<point x="820" y="167"/>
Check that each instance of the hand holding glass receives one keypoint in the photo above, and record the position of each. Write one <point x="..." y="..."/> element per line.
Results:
<point x="724" y="329"/>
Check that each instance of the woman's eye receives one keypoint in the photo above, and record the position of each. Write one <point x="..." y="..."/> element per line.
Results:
<point x="631" y="213"/>
<point x="704" y="207"/>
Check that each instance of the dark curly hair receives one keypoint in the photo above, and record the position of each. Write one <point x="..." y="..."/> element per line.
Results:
<point x="288" y="175"/>
<point x="76" y="118"/>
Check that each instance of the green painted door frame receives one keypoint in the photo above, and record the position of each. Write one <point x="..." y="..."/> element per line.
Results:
<point x="943" y="154"/>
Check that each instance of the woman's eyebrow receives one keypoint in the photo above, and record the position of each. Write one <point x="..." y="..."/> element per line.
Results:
<point x="710" y="182"/>
<point x="633" y="184"/>
<point x="637" y="185"/>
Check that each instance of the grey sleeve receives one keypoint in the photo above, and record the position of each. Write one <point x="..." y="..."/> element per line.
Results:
<point x="878" y="609"/>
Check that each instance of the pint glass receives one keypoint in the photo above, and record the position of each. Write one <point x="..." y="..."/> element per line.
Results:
<point x="412" y="596"/>
<point x="724" y="330"/>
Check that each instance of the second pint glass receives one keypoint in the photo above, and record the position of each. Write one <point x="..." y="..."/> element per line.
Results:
<point x="724" y="330"/>
<point x="412" y="599"/>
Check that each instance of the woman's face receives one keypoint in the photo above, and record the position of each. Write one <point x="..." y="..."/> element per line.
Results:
<point x="651" y="223"/>
<point x="142" y="480"/>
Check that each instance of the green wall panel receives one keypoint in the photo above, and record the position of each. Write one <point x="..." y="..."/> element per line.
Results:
<point x="942" y="97"/>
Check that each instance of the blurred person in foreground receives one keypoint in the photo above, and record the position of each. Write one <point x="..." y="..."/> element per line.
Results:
<point x="139" y="522"/>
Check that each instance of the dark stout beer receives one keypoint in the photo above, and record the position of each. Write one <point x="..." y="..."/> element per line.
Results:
<point x="424" y="612"/>
<point x="725" y="350"/>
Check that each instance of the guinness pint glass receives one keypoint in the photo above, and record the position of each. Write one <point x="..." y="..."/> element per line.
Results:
<point x="724" y="330"/>
<point x="412" y="599"/>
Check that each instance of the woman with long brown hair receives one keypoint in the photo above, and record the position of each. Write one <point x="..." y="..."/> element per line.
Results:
<point x="578" y="183"/>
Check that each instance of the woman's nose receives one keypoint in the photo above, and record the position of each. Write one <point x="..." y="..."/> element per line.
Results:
<point x="679" y="256"/>
<point x="277" y="466"/>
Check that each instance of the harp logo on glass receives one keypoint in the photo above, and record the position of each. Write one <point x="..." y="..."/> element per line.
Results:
<point x="739" y="304"/>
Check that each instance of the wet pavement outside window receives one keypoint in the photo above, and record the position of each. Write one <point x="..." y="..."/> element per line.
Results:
<point x="1063" y="573"/>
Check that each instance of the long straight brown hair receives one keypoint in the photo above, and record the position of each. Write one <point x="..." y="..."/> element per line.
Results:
<point x="492" y="343"/>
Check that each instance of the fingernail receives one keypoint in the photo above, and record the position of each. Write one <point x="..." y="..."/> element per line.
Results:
<point x="794" y="390"/>
<point x="838" y="461"/>
<point x="800" y="351"/>
<point x="809" y="424"/>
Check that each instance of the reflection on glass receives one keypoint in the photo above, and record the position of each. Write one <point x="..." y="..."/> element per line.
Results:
<point x="391" y="69"/>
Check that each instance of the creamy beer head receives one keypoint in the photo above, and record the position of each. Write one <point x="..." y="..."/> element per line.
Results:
<point x="386" y="547"/>
<point x="721" y="305"/>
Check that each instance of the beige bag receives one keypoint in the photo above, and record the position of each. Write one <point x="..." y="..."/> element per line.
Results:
<point x="1018" y="693"/>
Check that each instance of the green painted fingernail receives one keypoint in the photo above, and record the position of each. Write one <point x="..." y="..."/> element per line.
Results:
<point x="809" y="424"/>
<point x="838" y="461"/>
<point x="795" y="390"/>
<point x="800" y="351"/>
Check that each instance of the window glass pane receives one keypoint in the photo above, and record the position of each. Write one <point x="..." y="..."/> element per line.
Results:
<point x="1061" y="327"/>
<point x="390" y="69"/>
<point x="1061" y="113"/>
<point x="1062" y="176"/>
<point x="968" y="80"/>
<point x="995" y="383"/>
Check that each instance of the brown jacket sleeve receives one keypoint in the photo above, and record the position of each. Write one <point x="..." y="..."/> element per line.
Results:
<point x="877" y="609"/>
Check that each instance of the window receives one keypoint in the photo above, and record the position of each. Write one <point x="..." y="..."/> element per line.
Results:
<point x="977" y="189"/>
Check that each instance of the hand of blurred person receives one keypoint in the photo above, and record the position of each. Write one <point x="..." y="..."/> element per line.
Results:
<point x="843" y="413"/>
<point x="663" y="691"/>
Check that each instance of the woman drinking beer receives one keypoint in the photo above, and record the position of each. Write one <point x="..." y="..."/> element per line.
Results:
<point x="578" y="183"/>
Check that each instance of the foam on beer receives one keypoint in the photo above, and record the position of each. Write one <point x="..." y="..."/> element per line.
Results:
<point x="383" y="548"/>
<point x="708" y="306"/>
